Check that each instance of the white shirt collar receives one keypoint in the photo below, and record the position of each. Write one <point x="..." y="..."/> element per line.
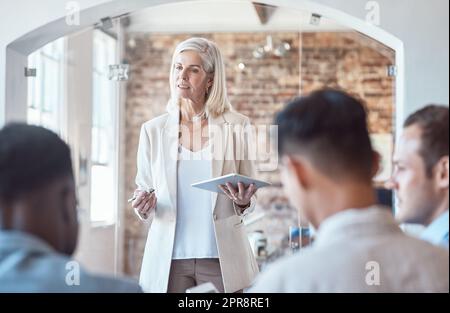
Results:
<point x="437" y="232"/>
<point x="353" y="223"/>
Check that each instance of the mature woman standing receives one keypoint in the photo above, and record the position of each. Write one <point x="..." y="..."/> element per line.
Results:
<point x="196" y="236"/>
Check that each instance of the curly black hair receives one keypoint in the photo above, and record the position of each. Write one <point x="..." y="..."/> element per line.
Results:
<point x="31" y="157"/>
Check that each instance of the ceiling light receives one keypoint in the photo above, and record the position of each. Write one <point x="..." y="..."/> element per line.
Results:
<point x="315" y="19"/>
<point x="269" y="48"/>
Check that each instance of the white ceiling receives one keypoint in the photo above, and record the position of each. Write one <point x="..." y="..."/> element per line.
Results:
<point x="222" y="16"/>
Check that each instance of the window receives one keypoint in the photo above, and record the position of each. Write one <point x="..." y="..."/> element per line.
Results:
<point x="45" y="91"/>
<point x="104" y="147"/>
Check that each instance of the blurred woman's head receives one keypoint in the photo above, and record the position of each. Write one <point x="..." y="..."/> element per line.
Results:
<point x="198" y="74"/>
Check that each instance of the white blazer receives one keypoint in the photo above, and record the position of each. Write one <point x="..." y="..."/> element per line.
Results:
<point x="157" y="168"/>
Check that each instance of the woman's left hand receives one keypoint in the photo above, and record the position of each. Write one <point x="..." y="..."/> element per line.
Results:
<point x="242" y="196"/>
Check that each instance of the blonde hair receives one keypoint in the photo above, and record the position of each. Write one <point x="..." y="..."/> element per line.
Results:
<point x="217" y="101"/>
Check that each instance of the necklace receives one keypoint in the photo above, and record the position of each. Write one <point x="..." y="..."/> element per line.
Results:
<point x="197" y="117"/>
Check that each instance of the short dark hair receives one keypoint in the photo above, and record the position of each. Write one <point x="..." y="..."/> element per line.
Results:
<point x="433" y="121"/>
<point x="330" y="127"/>
<point x="30" y="157"/>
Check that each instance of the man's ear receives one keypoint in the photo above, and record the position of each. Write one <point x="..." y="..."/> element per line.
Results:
<point x="442" y="172"/>
<point x="64" y="200"/>
<point x="7" y="214"/>
<point x="4" y="215"/>
<point x="376" y="164"/>
<point x="296" y="165"/>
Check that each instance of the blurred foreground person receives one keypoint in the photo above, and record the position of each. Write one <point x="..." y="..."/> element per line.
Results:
<point x="327" y="169"/>
<point x="38" y="217"/>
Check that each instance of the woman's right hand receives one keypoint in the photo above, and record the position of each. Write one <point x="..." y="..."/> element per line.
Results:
<point x="144" y="203"/>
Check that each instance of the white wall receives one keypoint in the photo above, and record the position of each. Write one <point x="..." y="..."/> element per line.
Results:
<point x="19" y="18"/>
<point x="422" y="25"/>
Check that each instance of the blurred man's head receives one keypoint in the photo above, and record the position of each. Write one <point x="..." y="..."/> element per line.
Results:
<point x="37" y="191"/>
<point x="326" y="153"/>
<point x="421" y="175"/>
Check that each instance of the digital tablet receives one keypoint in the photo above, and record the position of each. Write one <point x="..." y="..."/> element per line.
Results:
<point x="213" y="184"/>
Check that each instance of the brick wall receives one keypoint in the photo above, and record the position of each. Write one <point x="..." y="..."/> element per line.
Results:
<point x="348" y="60"/>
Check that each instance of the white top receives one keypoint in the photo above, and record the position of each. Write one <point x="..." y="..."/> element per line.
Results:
<point x="194" y="236"/>
<point x="360" y="251"/>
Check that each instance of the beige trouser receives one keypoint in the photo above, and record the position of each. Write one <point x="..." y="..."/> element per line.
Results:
<point x="189" y="273"/>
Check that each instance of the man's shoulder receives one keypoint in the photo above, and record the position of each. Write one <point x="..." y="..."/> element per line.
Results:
<point x="321" y="267"/>
<point x="79" y="279"/>
<point x="103" y="283"/>
<point x="280" y="275"/>
<point x="425" y="249"/>
<point x="53" y="272"/>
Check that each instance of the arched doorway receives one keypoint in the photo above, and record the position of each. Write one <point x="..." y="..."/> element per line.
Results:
<point x="20" y="49"/>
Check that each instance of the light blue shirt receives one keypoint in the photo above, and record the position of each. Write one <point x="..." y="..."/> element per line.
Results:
<point x="437" y="231"/>
<point x="28" y="264"/>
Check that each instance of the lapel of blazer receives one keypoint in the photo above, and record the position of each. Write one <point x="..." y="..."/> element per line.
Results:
<point x="219" y="130"/>
<point x="170" y="141"/>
